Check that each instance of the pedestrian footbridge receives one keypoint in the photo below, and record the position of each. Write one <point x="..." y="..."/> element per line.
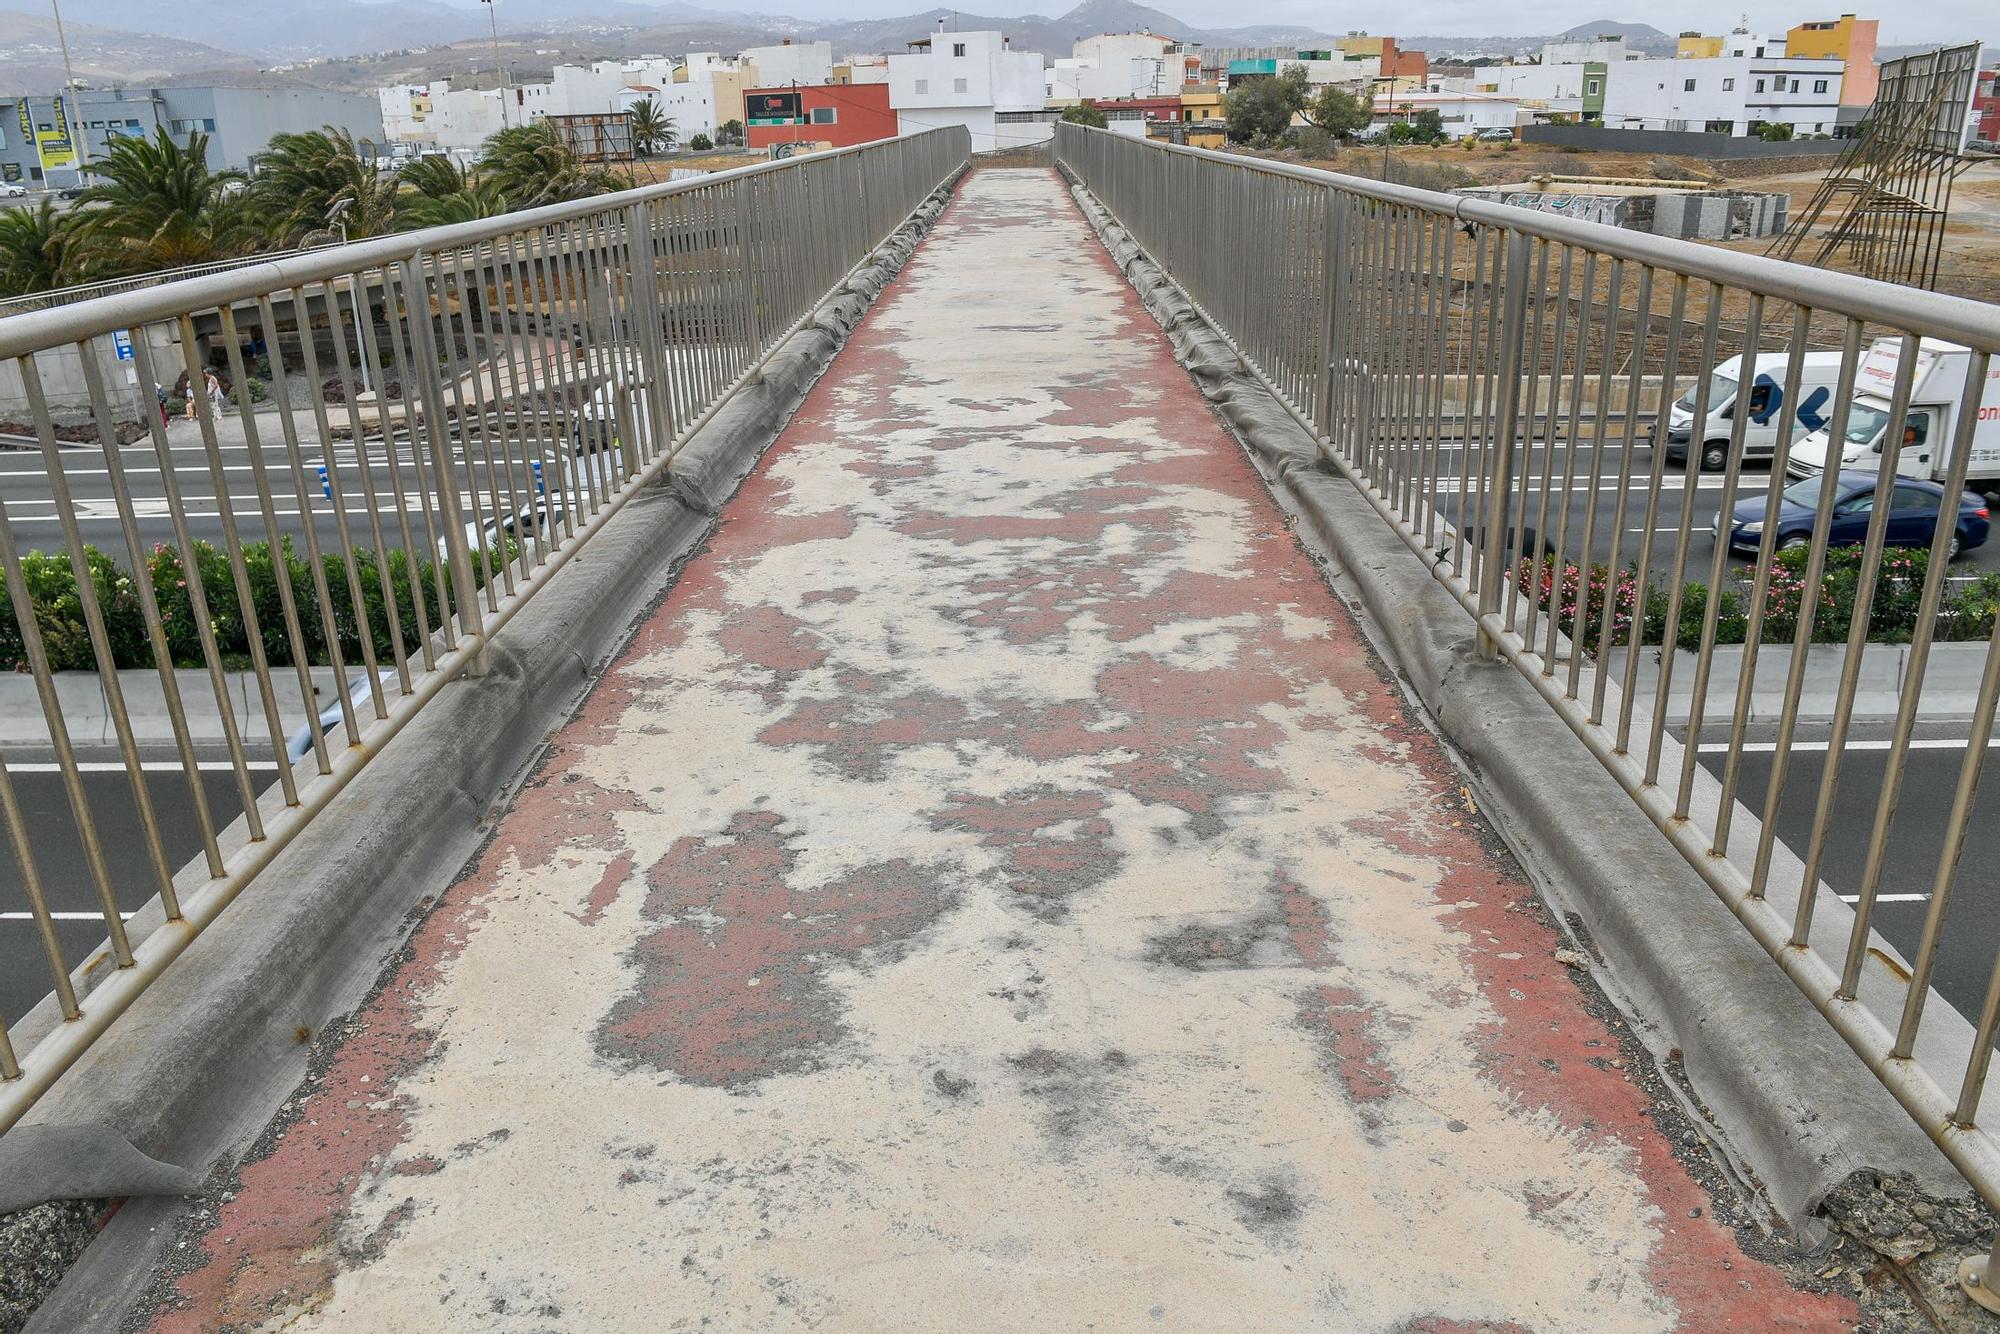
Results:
<point x="1000" y="881"/>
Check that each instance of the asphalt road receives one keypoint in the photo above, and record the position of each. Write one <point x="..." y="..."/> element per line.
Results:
<point x="59" y="859"/>
<point x="1569" y="490"/>
<point x="30" y="499"/>
<point x="1972" y="925"/>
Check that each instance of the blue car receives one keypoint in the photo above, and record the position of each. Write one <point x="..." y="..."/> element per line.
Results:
<point x="1913" y="515"/>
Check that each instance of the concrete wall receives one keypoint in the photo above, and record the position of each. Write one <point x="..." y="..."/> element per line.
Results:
<point x="1716" y="216"/>
<point x="66" y="391"/>
<point x="1687" y="144"/>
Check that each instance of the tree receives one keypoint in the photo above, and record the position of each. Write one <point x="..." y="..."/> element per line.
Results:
<point x="156" y="205"/>
<point x="651" y="129"/>
<point x="1086" y="113"/>
<point x="313" y="186"/>
<point x="1777" y="132"/>
<point x="36" y="254"/>
<point x="700" y="143"/>
<point x="531" y="165"/>
<point x="1338" y="112"/>
<point x="1260" y="110"/>
<point x="1430" y="126"/>
<point x="730" y="133"/>
<point x="438" y="191"/>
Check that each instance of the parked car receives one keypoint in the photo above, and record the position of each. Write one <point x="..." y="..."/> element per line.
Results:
<point x="13" y="190"/>
<point x="1913" y="515"/>
<point x="1981" y="146"/>
<point x="71" y="192"/>
<point x="299" y="744"/>
<point x="1494" y="134"/>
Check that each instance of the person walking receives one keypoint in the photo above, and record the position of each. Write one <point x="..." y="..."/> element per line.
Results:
<point x="216" y="399"/>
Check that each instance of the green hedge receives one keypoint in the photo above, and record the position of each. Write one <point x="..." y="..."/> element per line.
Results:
<point x="52" y="589"/>
<point x="1966" y="611"/>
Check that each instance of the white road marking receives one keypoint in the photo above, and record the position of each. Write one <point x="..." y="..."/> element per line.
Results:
<point x="1888" y="898"/>
<point x="148" y="766"/>
<point x="63" y="916"/>
<point x="1770" y="747"/>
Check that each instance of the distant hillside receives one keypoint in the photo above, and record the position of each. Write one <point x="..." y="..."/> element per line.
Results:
<point x="31" y="61"/>
<point x="1638" y="36"/>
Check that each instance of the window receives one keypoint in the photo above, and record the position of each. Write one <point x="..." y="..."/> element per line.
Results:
<point x="1687" y="85"/>
<point x="1795" y="85"/>
<point x="958" y="49"/>
<point x="923" y="86"/>
<point x="958" y="85"/>
<point x="1819" y="85"/>
<point x="1760" y="85"/>
<point x="1729" y="85"/>
<point x="826" y="115"/>
<point x="1593" y="87"/>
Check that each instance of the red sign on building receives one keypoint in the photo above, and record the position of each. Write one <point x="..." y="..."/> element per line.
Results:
<point x="841" y="114"/>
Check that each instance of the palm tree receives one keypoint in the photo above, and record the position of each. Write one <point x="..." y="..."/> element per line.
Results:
<point x="441" y="192"/>
<point x="37" y="253"/>
<point x="531" y="165"/>
<point x="156" y="205"/>
<point x="314" y="187"/>
<point x="651" y="130"/>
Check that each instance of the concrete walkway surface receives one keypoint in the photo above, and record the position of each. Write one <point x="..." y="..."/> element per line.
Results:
<point x="998" y="889"/>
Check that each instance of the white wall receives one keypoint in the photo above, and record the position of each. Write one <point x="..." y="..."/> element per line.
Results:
<point x="690" y="106"/>
<point x="1463" y="113"/>
<point x="987" y="76"/>
<point x="1654" y="95"/>
<point x="797" y="62"/>
<point x="988" y="134"/>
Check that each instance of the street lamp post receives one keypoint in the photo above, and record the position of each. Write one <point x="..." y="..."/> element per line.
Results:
<point x="499" y="68"/>
<point x="74" y="123"/>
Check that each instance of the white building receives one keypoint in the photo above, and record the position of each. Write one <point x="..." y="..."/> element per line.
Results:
<point x="1553" y="89"/>
<point x="968" y="78"/>
<point x="690" y="106"/>
<point x="1114" y="65"/>
<point x="438" y="115"/>
<point x="865" y="69"/>
<point x="1462" y="113"/>
<point x="1725" y="94"/>
<point x="1595" y="51"/>
<point x="791" y="62"/>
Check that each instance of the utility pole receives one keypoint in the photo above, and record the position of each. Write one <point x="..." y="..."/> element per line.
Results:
<point x="500" y="68"/>
<point x="73" y="123"/>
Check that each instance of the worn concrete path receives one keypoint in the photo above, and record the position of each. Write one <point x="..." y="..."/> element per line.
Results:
<point x="998" y="889"/>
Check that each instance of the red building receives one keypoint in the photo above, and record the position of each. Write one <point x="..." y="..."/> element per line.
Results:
<point x="841" y="114"/>
<point x="1986" y="107"/>
<point x="1139" y="108"/>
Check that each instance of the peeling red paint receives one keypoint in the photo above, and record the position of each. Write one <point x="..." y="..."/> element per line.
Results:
<point x="731" y="983"/>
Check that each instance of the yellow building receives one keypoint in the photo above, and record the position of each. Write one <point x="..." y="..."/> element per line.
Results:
<point x="1201" y="102"/>
<point x="1847" y="39"/>
<point x="1359" y="46"/>
<point x="1694" y="46"/>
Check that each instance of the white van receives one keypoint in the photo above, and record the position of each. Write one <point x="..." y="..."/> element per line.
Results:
<point x="1937" y="406"/>
<point x="1819" y="381"/>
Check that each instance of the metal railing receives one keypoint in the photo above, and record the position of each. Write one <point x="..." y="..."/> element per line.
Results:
<point x="65" y="296"/>
<point x="1374" y="312"/>
<point x="550" y="364"/>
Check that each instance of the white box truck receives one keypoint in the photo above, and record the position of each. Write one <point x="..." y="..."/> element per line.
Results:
<point x="1819" y="381"/>
<point x="1937" y="405"/>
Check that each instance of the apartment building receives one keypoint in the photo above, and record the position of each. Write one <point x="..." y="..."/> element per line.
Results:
<point x="1730" y="94"/>
<point x="1849" y="40"/>
<point x="970" y="79"/>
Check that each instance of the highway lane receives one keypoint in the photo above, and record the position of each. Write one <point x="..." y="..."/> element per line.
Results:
<point x="65" y="877"/>
<point x="504" y="483"/>
<point x="1565" y="478"/>
<point x="1972" y="925"/>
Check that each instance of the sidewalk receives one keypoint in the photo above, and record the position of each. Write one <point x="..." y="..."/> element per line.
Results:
<point x="998" y="889"/>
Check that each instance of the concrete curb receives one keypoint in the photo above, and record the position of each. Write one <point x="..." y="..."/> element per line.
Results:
<point x="1792" y="1102"/>
<point x="199" y="1065"/>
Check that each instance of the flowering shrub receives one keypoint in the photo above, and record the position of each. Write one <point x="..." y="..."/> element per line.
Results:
<point x="1966" y="611"/>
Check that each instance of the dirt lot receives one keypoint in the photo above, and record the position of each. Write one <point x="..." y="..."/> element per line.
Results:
<point x="660" y="168"/>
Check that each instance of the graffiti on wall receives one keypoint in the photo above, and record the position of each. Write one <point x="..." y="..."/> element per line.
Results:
<point x="1607" y="209"/>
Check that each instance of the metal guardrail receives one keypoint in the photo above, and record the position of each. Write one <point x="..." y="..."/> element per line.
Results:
<point x="64" y="296"/>
<point x="413" y="559"/>
<point x="1328" y="287"/>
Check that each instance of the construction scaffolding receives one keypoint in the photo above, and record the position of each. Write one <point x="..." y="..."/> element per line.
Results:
<point x="1881" y="211"/>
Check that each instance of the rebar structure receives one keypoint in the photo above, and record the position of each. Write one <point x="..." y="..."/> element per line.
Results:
<point x="1886" y="201"/>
